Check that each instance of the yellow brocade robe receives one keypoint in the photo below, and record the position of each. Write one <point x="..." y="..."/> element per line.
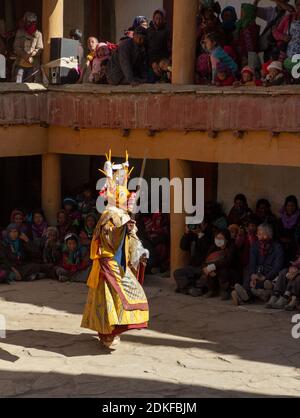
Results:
<point x="116" y="301"/>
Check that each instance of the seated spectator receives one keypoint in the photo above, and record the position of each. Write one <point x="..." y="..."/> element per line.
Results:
<point x="246" y="34"/>
<point x="64" y="225"/>
<point x="20" y="254"/>
<point x="87" y="233"/>
<point x="158" y="39"/>
<point x="224" y="76"/>
<point x="18" y="217"/>
<point x="52" y="247"/>
<point x="286" y="292"/>
<point x="102" y="55"/>
<point x="86" y="202"/>
<point x="75" y="265"/>
<point x="71" y="208"/>
<point x="128" y="62"/>
<point x="28" y="47"/>
<point x="215" y="217"/>
<point x="218" y="55"/>
<point x="39" y="228"/>
<point x="275" y="76"/>
<point x="264" y="215"/>
<point x="287" y="227"/>
<point x="246" y="237"/>
<point x="220" y="271"/>
<point x="240" y="211"/>
<point x="266" y="261"/>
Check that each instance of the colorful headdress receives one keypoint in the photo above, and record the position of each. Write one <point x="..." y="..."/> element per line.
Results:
<point x="115" y="190"/>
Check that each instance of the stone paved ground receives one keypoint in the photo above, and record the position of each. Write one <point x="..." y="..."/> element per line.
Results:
<point x="194" y="348"/>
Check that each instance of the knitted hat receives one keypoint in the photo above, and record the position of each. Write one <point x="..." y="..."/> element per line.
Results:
<point x="248" y="70"/>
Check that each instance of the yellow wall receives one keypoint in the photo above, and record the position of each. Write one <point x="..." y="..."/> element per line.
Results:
<point x="255" y="148"/>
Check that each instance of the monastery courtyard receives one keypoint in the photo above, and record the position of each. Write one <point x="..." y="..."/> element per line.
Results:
<point x="193" y="348"/>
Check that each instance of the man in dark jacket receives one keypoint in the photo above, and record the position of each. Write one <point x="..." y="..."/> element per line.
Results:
<point x="266" y="262"/>
<point x="128" y="62"/>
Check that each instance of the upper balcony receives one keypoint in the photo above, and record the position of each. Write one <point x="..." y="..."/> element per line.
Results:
<point x="160" y="107"/>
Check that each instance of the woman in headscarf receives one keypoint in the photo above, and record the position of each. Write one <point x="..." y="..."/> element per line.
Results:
<point x="71" y="208"/>
<point x="246" y="35"/>
<point x="52" y="248"/>
<point x="287" y="228"/>
<point x="229" y="19"/>
<point x="18" y="217"/>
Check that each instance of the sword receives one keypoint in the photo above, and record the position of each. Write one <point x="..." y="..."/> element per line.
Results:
<point x="139" y="186"/>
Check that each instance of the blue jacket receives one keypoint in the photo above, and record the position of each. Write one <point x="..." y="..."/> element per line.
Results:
<point x="271" y="264"/>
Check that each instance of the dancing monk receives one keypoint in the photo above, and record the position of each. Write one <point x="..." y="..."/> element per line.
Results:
<point x="116" y="301"/>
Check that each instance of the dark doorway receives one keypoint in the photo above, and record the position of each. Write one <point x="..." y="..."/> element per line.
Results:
<point x="20" y="185"/>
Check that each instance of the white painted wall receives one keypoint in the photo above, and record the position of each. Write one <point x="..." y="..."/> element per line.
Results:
<point x="126" y="10"/>
<point x="273" y="183"/>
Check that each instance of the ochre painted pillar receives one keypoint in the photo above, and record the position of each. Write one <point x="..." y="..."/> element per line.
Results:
<point x="51" y="186"/>
<point x="178" y="169"/>
<point x="53" y="24"/>
<point x="184" y="41"/>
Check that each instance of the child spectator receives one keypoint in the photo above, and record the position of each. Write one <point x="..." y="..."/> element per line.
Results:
<point x="218" y="55"/>
<point x="102" y="54"/>
<point x="86" y="234"/>
<point x="275" y="76"/>
<point x="64" y="225"/>
<point x="39" y="228"/>
<point x="75" y="261"/>
<point x="165" y="68"/>
<point x="224" y="76"/>
<point x="71" y="208"/>
<point x="52" y="248"/>
<point x="248" y="78"/>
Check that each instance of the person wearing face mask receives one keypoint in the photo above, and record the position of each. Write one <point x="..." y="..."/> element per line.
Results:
<point x="266" y="262"/>
<point x="220" y="270"/>
<point x="28" y="47"/>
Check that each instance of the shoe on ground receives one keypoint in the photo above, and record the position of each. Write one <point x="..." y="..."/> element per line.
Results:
<point x="292" y="306"/>
<point x="261" y="294"/>
<point x="111" y="343"/>
<point x="242" y="293"/>
<point x="272" y="301"/>
<point x="281" y="303"/>
<point x="196" y="293"/>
